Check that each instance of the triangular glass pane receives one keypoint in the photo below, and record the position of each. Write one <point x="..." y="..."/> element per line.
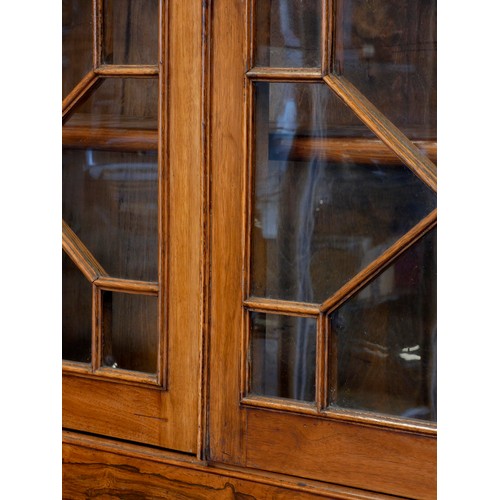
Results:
<point x="76" y="313"/>
<point x="388" y="50"/>
<point x="77" y="52"/>
<point x="328" y="196"/>
<point x="383" y="340"/>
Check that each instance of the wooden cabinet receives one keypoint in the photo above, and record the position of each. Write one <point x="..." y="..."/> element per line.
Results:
<point x="249" y="249"/>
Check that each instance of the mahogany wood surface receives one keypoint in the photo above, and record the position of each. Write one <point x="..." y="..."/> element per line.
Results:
<point x="102" y="469"/>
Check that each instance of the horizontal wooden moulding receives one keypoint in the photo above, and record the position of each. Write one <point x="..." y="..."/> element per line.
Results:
<point x="126" y="285"/>
<point x="386" y="421"/>
<point x="138" y="71"/>
<point x="280" y="404"/>
<point x="74" y="367"/>
<point x="109" y="139"/>
<point x="338" y="149"/>
<point x="126" y="376"/>
<point x="285" y="74"/>
<point x="282" y="306"/>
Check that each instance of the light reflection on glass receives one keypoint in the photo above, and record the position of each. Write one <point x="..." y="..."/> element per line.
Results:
<point x="288" y="33"/>
<point x="329" y="197"/>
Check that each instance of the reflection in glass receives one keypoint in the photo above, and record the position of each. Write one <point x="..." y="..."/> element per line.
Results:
<point x="328" y="196"/>
<point x="110" y="200"/>
<point x="383" y="355"/>
<point x="130" y="31"/>
<point x="387" y="49"/>
<point x="77" y="52"/>
<point x="130" y="332"/>
<point x="283" y="356"/>
<point x="123" y="103"/>
<point x="76" y="313"/>
<point x="288" y="33"/>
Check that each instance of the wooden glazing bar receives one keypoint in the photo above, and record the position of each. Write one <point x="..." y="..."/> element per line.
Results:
<point x="126" y="285"/>
<point x="321" y="362"/>
<point x="245" y="374"/>
<point x="386" y="421"/>
<point x="280" y="404"/>
<point x="326" y="36"/>
<point x="98" y="26"/>
<point x="74" y="367"/>
<point x="378" y="265"/>
<point x="282" y="307"/>
<point x="126" y="70"/>
<point x="97" y="327"/>
<point x="126" y="376"/>
<point x="251" y="22"/>
<point x="285" y="74"/>
<point x="163" y="58"/>
<point x="80" y="254"/>
<point x="339" y="149"/>
<point x="406" y="150"/>
<point x="86" y="85"/>
<point x="109" y="139"/>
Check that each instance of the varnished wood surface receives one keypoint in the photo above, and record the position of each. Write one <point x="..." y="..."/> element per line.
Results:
<point x="353" y="455"/>
<point x="101" y="469"/>
<point x="110" y="139"/>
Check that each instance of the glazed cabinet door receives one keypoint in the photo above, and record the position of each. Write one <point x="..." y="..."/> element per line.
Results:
<point x="323" y="233"/>
<point x="132" y="286"/>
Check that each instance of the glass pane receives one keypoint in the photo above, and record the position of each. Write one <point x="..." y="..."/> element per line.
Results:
<point x="288" y="33"/>
<point x="77" y="52"/>
<point x="283" y="356"/>
<point x="130" y="32"/>
<point x="110" y="200"/>
<point x="383" y="355"/>
<point x="76" y="313"/>
<point x="124" y="103"/>
<point x="328" y="196"/>
<point x="130" y="332"/>
<point x="387" y="49"/>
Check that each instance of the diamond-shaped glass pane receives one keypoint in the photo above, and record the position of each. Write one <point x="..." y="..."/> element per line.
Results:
<point x="288" y="33"/>
<point x="387" y="49"/>
<point x="328" y="196"/>
<point x="77" y="53"/>
<point x="76" y="313"/>
<point x="383" y="341"/>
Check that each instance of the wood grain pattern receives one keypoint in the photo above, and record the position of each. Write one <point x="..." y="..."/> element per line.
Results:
<point x="110" y="139"/>
<point x="129" y="70"/>
<point x="99" y="468"/>
<point x="379" y="460"/>
<point x="285" y="74"/>
<point x="281" y="306"/>
<point x="129" y="286"/>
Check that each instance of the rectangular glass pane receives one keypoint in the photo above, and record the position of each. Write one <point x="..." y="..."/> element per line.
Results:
<point x="288" y="33"/>
<point x="76" y="313"/>
<point x="130" y="332"/>
<point x="388" y="50"/>
<point x="383" y="344"/>
<point x="77" y="45"/>
<point x="130" y="32"/>
<point x="110" y="200"/>
<point x="328" y="196"/>
<point x="283" y="356"/>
